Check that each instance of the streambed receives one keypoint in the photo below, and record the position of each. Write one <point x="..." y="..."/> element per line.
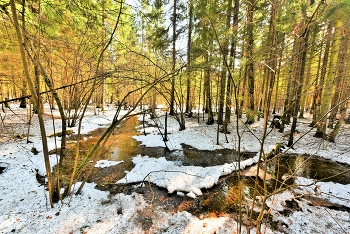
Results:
<point x="220" y="199"/>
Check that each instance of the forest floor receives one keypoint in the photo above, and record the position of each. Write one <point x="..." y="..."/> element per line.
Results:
<point x="311" y="206"/>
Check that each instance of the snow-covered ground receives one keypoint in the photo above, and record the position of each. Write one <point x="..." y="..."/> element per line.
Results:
<point x="24" y="205"/>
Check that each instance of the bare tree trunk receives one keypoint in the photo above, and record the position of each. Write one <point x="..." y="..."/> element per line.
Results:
<point x="23" y="103"/>
<point x="339" y="79"/>
<point x="103" y="85"/>
<point x="225" y="51"/>
<point x="76" y="170"/>
<point x="327" y="89"/>
<point x="242" y="92"/>
<point x="339" y="123"/>
<point x="172" y="95"/>
<point x="232" y="67"/>
<point x="299" y="71"/>
<point x="188" y="69"/>
<point x="316" y="83"/>
<point x="249" y="70"/>
<point x="278" y="73"/>
<point x="270" y="81"/>
<point x="292" y="80"/>
<point x="36" y="101"/>
<point x="319" y="88"/>
<point x="310" y="61"/>
<point x="207" y="89"/>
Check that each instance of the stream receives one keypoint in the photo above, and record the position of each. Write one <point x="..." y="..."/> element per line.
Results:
<point x="220" y="199"/>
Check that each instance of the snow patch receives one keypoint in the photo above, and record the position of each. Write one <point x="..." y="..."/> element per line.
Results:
<point x="107" y="163"/>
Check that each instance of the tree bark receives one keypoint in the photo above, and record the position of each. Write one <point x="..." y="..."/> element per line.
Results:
<point x="188" y="69"/>
<point x="299" y="70"/>
<point x="224" y="67"/>
<point x="36" y="101"/>
<point x="310" y="61"/>
<point x="231" y="66"/>
<point x="207" y="90"/>
<point x="249" y="70"/>
<point x="327" y="89"/>
<point x="282" y="41"/>
<point x="319" y="88"/>
<point x="172" y="94"/>
<point x="339" y="79"/>
<point x="103" y="85"/>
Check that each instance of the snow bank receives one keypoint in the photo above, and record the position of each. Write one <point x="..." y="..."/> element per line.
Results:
<point x="333" y="192"/>
<point x="189" y="179"/>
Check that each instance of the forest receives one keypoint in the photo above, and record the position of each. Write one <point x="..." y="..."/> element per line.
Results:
<point x="276" y="70"/>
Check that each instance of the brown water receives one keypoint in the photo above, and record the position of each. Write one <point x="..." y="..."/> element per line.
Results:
<point x="119" y="147"/>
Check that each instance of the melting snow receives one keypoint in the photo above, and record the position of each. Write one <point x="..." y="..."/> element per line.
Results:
<point x="25" y="209"/>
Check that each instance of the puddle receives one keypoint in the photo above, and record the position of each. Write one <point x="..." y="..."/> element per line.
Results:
<point x="190" y="156"/>
<point x="315" y="168"/>
<point x="222" y="198"/>
<point x="119" y="147"/>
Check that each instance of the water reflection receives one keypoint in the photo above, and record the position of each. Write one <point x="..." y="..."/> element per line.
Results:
<point x="320" y="169"/>
<point x="119" y="147"/>
<point x="190" y="156"/>
<point x="301" y="167"/>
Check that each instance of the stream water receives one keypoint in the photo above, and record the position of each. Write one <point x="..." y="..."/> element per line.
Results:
<point x="222" y="197"/>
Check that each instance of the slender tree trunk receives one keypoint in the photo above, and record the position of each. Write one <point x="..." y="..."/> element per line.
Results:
<point x="103" y="85"/>
<point x="249" y="70"/>
<point x="285" y="118"/>
<point x="316" y="83"/>
<point x="299" y="71"/>
<point x="292" y="82"/>
<point x="271" y="76"/>
<point x="36" y="101"/>
<point x="232" y="67"/>
<point x="242" y="92"/>
<point x="188" y="69"/>
<point x="319" y="87"/>
<point x="172" y="95"/>
<point x="39" y="69"/>
<point x="339" y="78"/>
<point x="207" y="97"/>
<point x="221" y="94"/>
<point x="282" y="36"/>
<point x="199" y="97"/>
<point x="224" y="68"/>
<point x="207" y="90"/>
<point x="23" y="103"/>
<point x="217" y="92"/>
<point x="263" y="91"/>
<point x="339" y="123"/>
<point x="327" y="89"/>
<point x="307" y="79"/>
